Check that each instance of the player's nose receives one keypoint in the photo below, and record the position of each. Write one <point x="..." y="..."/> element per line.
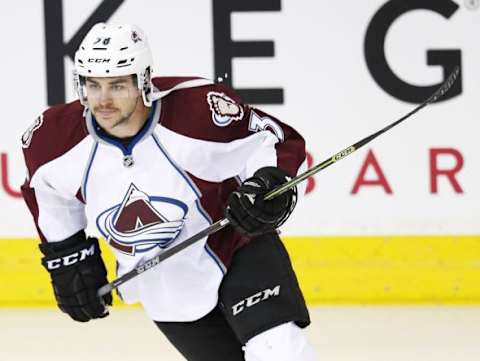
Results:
<point x="105" y="96"/>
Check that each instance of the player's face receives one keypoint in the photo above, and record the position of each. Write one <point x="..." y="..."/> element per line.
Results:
<point x="112" y="100"/>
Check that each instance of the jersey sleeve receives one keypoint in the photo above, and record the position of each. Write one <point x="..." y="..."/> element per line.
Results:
<point x="56" y="217"/>
<point x="57" y="213"/>
<point x="228" y="138"/>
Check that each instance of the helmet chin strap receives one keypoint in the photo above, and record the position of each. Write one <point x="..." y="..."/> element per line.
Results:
<point x="129" y="116"/>
<point x="146" y="113"/>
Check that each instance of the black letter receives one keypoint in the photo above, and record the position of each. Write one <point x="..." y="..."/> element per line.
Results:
<point x="377" y="62"/>
<point x="56" y="49"/>
<point x="225" y="49"/>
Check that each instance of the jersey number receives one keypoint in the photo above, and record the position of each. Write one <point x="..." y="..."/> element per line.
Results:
<point x="258" y="123"/>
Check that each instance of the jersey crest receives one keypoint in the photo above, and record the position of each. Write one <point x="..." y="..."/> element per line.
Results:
<point x="224" y="109"/>
<point x="136" y="225"/>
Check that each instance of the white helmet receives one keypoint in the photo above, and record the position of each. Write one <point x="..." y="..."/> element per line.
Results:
<point x="114" y="50"/>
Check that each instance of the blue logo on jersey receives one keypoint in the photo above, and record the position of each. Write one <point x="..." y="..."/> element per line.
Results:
<point x="137" y="226"/>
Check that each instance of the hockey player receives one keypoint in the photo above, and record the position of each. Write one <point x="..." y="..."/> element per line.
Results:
<point x="151" y="162"/>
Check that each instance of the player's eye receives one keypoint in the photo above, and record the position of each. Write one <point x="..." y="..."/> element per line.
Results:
<point x="92" y="86"/>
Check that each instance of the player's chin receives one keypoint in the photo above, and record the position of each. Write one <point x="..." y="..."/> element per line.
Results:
<point x="109" y="120"/>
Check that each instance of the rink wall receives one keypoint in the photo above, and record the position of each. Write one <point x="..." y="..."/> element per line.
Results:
<point x="331" y="270"/>
<point x="396" y="222"/>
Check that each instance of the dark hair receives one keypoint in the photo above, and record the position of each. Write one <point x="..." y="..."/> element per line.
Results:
<point x="83" y="79"/>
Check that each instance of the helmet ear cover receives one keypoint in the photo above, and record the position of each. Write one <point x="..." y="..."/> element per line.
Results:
<point x="79" y="86"/>
<point x="145" y="85"/>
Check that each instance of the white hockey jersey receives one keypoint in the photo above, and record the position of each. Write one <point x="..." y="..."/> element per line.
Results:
<point x="168" y="183"/>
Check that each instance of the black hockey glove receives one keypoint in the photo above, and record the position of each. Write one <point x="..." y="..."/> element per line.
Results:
<point x="250" y="213"/>
<point x="77" y="272"/>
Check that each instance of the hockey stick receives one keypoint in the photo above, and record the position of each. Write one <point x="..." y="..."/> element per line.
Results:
<point x="218" y="225"/>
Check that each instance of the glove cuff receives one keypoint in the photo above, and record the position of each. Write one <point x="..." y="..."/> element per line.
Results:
<point x="49" y="248"/>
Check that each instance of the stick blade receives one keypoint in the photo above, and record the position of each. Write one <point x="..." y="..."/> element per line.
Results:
<point x="446" y="85"/>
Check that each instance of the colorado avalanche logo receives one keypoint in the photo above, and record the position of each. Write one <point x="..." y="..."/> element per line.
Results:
<point x="136" y="226"/>
<point x="224" y="109"/>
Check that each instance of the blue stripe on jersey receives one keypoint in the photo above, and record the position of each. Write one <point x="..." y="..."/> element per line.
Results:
<point x="179" y="170"/>
<point x="87" y="173"/>
<point x="207" y="248"/>
<point x="217" y="260"/>
<point x="203" y="211"/>
<point x="197" y="202"/>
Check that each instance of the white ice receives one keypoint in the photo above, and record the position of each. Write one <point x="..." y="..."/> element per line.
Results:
<point x="339" y="334"/>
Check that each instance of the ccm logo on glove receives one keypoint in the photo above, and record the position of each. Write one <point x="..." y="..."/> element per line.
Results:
<point x="71" y="258"/>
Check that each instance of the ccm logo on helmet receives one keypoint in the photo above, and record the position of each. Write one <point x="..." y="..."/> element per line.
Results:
<point x="98" y="60"/>
<point x="254" y="299"/>
<point x="71" y="258"/>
